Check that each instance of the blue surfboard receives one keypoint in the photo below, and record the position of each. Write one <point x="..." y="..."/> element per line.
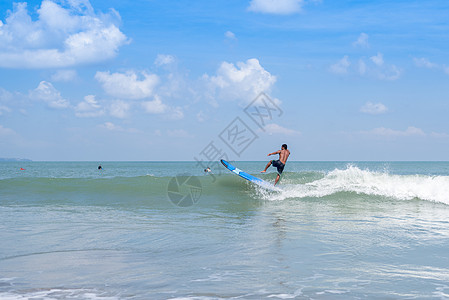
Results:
<point x="249" y="177"/>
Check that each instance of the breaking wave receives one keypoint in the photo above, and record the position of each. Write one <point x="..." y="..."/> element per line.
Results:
<point x="355" y="180"/>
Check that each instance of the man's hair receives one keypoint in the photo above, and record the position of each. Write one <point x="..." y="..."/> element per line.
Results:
<point x="285" y="146"/>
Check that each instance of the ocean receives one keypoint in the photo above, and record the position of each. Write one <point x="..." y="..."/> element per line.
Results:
<point x="167" y="230"/>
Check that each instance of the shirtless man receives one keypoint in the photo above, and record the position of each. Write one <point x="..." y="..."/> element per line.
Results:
<point x="280" y="163"/>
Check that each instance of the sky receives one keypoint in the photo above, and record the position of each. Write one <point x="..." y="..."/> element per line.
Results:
<point x="152" y="80"/>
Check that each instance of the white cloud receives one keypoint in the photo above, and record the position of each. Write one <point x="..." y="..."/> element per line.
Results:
<point x="446" y="70"/>
<point x="280" y="7"/>
<point x="439" y="135"/>
<point x="378" y="59"/>
<point x="376" y="68"/>
<point x="132" y="85"/>
<point x="164" y="59"/>
<point x="391" y="72"/>
<point x="119" y="109"/>
<point x="176" y="113"/>
<point x="155" y="106"/>
<point x="6" y="131"/>
<point x="424" y="63"/>
<point x="5" y="96"/>
<point x="384" y="71"/>
<point x="373" y="108"/>
<point x="60" y="37"/>
<point x="46" y="92"/>
<point x="362" y="67"/>
<point x="243" y="81"/>
<point x="341" y="67"/>
<point x="88" y="108"/>
<point x="128" y="85"/>
<point x="230" y="35"/>
<point x="4" y="109"/>
<point x="362" y="41"/>
<point x="277" y="129"/>
<point x="111" y="126"/>
<point x="387" y="132"/>
<point x="64" y="75"/>
<point x="201" y="116"/>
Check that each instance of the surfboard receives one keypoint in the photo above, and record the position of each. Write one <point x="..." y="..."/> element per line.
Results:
<point x="249" y="177"/>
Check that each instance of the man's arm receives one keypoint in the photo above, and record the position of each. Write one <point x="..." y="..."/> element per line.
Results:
<point x="277" y="152"/>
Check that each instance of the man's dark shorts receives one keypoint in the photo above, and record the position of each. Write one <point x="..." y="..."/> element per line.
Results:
<point x="280" y="166"/>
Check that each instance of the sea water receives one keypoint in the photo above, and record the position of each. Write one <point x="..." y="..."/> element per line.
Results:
<point x="167" y="230"/>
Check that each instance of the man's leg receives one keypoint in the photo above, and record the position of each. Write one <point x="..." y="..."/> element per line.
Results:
<point x="277" y="179"/>
<point x="268" y="165"/>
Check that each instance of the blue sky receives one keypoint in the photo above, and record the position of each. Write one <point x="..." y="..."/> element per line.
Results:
<point x="165" y="80"/>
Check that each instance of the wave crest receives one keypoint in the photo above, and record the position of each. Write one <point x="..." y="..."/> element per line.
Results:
<point x="355" y="180"/>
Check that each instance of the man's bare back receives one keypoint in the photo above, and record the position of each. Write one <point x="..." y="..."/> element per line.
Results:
<point x="283" y="155"/>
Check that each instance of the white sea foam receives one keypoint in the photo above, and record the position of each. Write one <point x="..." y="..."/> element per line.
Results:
<point x="53" y="294"/>
<point x="353" y="179"/>
<point x="287" y="296"/>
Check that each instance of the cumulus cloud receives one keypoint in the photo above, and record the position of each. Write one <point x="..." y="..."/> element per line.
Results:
<point x="5" y="95"/>
<point x="391" y="72"/>
<point x="378" y="59"/>
<point x="132" y="85"/>
<point x="5" y="99"/>
<point x="6" y="131"/>
<point x="341" y="67"/>
<point x="128" y="85"/>
<point x="230" y="35"/>
<point x="446" y="70"/>
<point x="119" y="109"/>
<point x="279" y="130"/>
<point x="362" y="41"/>
<point x="176" y="113"/>
<point x="424" y="63"/>
<point x="439" y="135"/>
<point x="111" y="126"/>
<point x="155" y="106"/>
<point x="373" y="108"/>
<point x="279" y="7"/>
<point x="164" y="59"/>
<point x="47" y="93"/>
<point x="61" y="36"/>
<point x="362" y="67"/>
<point x="4" y="109"/>
<point x="375" y="67"/>
<point x="387" y="132"/>
<point x="242" y="81"/>
<point x="88" y="108"/>
<point x="201" y="116"/>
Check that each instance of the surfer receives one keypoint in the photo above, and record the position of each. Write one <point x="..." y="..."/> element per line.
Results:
<point x="280" y="163"/>
<point x="100" y="167"/>
<point x="207" y="170"/>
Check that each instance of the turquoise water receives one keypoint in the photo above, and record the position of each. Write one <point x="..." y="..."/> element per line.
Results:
<point x="336" y="231"/>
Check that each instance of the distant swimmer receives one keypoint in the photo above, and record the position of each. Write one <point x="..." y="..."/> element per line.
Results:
<point x="207" y="170"/>
<point x="100" y="168"/>
<point x="280" y="163"/>
<point x="22" y="169"/>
